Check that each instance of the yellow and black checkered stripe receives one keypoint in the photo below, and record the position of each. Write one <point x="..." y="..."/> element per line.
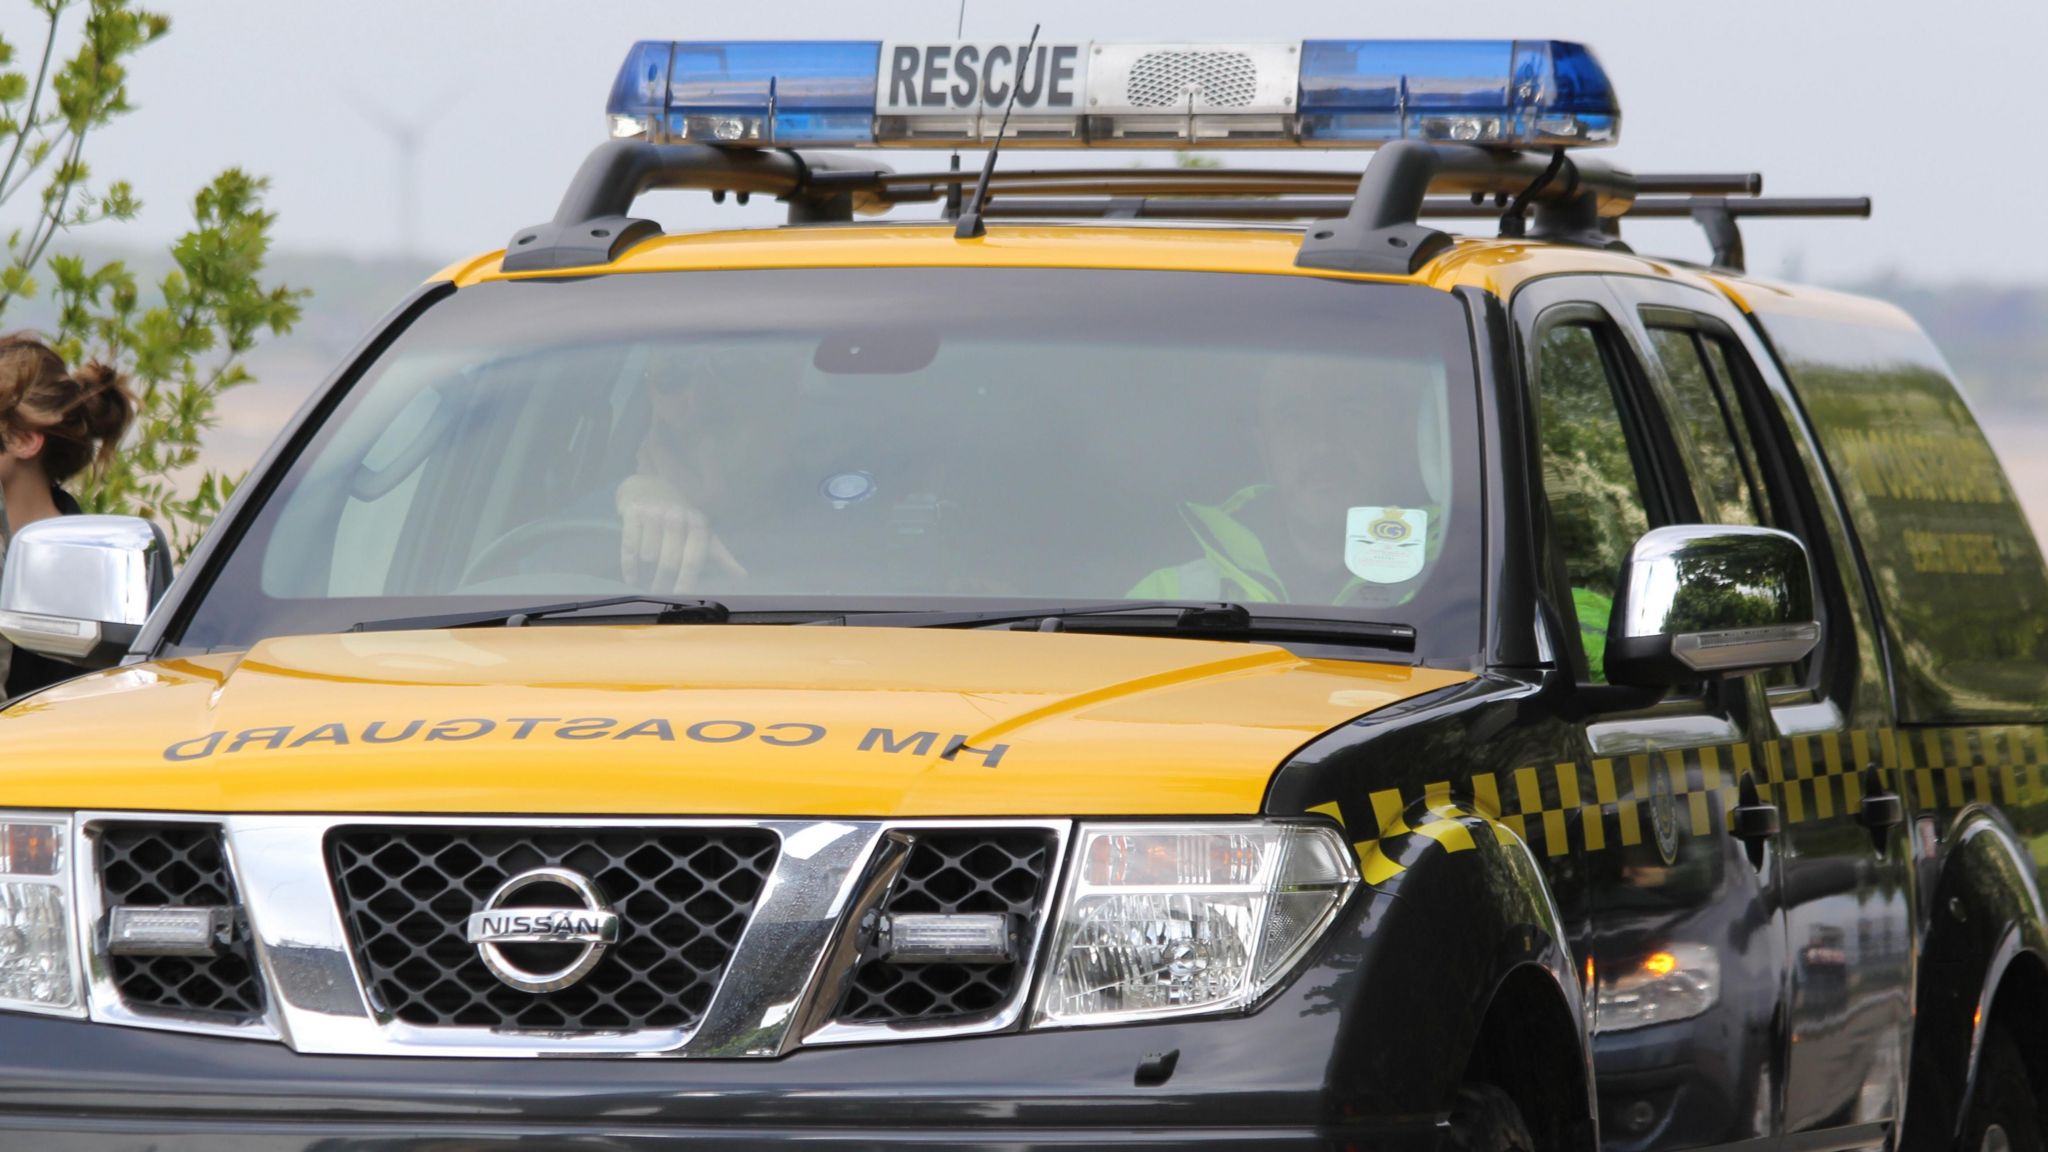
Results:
<point x="1608" y="800"/>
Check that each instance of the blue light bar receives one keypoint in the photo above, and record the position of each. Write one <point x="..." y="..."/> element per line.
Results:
<point x="1316" y="94"/>
<point x="1517" y="93"/>
<point x="763" y="93"/>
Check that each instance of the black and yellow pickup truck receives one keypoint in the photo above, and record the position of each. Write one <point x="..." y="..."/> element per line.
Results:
<point x="1149" y="657"/>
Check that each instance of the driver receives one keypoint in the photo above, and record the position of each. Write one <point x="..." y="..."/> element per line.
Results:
<point x="706" y="423"/>
<point x="1342" y="452"/>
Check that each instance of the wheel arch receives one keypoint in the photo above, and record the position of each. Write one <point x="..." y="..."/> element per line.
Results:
<point x="1524" y="1047"/>
<point x="1466" y="936"/>
<point x="1502" y="955"/>
<point x="1984" y="959"/>
<point x="2018" y="991"/>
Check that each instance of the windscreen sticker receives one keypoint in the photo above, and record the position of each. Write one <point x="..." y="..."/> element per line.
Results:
<point x="1385" y="545"/>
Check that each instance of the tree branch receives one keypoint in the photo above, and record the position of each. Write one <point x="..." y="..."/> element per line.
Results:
<point x="35" y="98"/>
<point x="60" y="140"/>
<point x="56" y="210"/>
<point x="53" y="215"/>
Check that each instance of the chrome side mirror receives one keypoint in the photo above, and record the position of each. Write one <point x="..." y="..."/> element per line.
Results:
<point x="79" y="587"/>
<point x="1699" y="600"/>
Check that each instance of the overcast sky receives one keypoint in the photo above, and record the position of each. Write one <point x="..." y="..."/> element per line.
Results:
<point x="1896" y="99"/>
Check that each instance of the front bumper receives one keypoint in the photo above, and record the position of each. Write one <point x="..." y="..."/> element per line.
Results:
<point x="1256" y="1081"/>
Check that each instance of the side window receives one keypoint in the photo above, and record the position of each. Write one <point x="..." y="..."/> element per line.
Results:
<point x="1734" y="482"/>
<point x="1726" y="479"/>
<point x="1591" y="479"/>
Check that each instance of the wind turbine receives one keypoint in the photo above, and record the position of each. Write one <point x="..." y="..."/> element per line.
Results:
<point x="406" y="136"/>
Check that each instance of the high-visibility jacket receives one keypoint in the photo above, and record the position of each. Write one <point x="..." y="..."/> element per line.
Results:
<point x="1234" y="566"/>
<point x="1593" y="608"/>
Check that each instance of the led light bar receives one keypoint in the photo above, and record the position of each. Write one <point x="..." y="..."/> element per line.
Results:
<point x="942" y="938"/>
<point x="1509" y="94"/>
<point x="168" y="930"/>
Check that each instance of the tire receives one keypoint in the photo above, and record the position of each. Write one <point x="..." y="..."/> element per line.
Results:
<point x="2003" y="1115"/>
<point x="1486" y="1120"/>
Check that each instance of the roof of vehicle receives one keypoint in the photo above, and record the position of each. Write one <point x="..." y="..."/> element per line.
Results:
<point x="1497" y="265"/>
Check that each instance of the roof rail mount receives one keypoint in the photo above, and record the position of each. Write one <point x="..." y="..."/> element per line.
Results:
<point x="1380" y="233"/>
<point x="594" y="224"/>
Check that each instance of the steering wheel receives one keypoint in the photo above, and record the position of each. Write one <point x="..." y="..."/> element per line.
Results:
<point x="576" y="540"/>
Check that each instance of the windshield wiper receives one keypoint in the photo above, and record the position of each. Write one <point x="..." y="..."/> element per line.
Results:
<point x="1184" y="618"/>
<point x="670" y="611"/>
<point x="1190" y="618"/>
<point x="940" y="619"/>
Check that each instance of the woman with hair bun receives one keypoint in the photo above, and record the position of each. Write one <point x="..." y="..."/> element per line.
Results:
<point x="54" y="423"/>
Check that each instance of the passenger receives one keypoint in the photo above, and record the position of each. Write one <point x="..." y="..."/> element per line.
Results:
<point x="54" y="422"/>
<point x="1342" y="453"/>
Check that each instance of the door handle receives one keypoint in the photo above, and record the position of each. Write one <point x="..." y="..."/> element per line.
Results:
<point x="1882" y="807"/>
<point x="1753" y="822"/>
<point x="1882" y="811"/>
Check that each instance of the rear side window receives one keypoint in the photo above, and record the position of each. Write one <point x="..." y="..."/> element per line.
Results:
<point x="1721" y="445"/>
<point x="1957" y="570"/>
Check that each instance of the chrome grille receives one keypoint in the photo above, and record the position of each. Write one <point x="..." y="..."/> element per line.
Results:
<point x="684" y="896"/>
<point x="1211" y="79"/>
<point x="780" y="987"/>
<point x="176" y="864"/>
<point x="954" y="871"/>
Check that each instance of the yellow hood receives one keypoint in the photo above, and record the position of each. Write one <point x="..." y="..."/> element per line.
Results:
<point x="674" y="720"/>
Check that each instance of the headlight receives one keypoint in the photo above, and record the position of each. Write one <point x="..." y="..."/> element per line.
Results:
<point x="1677" y="982"/>
<point x="37" y="970"/>
<point x="1173" y="919"/>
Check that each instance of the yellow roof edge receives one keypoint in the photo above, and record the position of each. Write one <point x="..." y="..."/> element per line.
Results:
<point x="1496" y="265"/>
<point x="463" y="273"/>
<point x="932" y="244"/>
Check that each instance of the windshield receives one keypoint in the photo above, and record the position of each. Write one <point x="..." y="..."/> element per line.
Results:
<point x="887" y="439"/>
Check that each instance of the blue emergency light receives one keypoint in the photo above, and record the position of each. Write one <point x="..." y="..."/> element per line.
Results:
<point x="938" y="94"/>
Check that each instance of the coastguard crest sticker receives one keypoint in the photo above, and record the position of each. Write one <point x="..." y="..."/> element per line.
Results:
<point x="1663" y="813"/>
<point x="1385" y="545"/>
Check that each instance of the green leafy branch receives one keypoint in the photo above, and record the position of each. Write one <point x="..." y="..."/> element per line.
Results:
<point x="182" y="354"/>
<point x="185" y="347"/>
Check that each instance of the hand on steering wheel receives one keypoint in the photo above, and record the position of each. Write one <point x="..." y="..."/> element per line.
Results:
<point x="666" y="542"/>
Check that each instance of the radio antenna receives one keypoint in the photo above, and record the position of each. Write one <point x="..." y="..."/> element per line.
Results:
<point x="969" y="226"/>
<point x="952" y="207"/>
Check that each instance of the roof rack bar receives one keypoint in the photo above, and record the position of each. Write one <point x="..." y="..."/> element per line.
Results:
<point x="1154" y="185"/>
<point x="1172" y="180"/>
<point x="1678" y="207"/>
<point x="1437" y="207"/>
<point x="909" y="187"/>
<point x="593" y="225"/>
<point x="1857" y="206"/>
<point x="1700" y="184"/>
<point x="1269" y="180"/>
<point x="1165" y="208"/>
<point x="1716" y="216"/>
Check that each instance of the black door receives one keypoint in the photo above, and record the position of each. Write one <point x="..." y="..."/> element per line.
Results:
<point x="1688" y="946"/>
<point x="1844" y="874"/>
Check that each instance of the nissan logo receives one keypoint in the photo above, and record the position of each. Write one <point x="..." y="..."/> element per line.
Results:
<point x="579" y="933"/>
